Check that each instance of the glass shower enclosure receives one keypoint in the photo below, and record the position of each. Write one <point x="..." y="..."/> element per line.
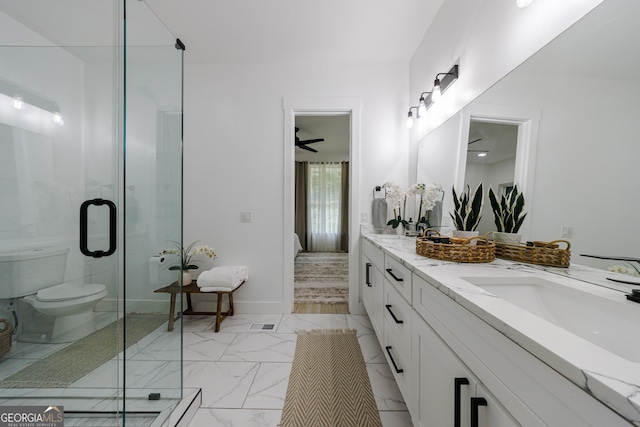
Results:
<point x="90" y="196"/>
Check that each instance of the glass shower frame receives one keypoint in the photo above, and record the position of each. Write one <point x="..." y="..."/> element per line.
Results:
<point x="117" y="85"/>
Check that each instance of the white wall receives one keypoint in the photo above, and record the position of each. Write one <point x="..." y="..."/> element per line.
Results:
<point x="488" y="38"/>
<point x="234" y="155"/>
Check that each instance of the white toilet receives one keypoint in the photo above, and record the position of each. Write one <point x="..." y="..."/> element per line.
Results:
<point x="37" y="275"/>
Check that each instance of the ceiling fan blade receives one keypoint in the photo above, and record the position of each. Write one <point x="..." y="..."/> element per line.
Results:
<point x="304" y="147"/>
<point x="476" y="140"/>
<point x="311" y="141"/>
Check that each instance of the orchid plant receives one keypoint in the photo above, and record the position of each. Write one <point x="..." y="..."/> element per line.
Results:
<point x="186" y="254"/>
<point x="397" y="199"/>
<point x="428" y="198"/>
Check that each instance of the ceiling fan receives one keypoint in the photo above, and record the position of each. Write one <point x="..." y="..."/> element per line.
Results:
<point x="481" y="153"/>
<point x="303" y="144"/>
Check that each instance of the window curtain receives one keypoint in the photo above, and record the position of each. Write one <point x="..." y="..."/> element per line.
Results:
<point x="300" y="222"/>
<point x="324" y="203"/>
<point x="344" y="209"/>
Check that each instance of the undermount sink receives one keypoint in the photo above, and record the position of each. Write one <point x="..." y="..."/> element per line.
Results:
<point x="602" y="321"/>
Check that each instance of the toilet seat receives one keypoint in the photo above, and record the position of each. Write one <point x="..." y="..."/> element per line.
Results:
<point x="68" y="291"/>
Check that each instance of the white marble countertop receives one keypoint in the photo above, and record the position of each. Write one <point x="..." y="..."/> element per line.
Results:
<point x="610" y="378"/>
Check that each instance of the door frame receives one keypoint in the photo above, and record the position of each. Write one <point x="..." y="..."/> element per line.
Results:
<point x="527" y="119"/>
<point x="321" y="105"/>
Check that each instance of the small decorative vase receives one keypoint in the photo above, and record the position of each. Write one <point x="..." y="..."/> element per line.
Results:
<point x="466" y="235"/>
<point x="399" y="230"/>
<point x="186" y="278"/>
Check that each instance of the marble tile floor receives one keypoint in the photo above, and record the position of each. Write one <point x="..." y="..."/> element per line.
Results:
<point x="244" y="380"/>
<point x="243" y="374"/>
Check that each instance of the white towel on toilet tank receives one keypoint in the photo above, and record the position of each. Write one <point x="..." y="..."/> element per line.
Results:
<point x="227" y="276"/>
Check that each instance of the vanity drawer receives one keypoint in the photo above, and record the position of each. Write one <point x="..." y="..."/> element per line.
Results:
<point x="397" y="317"/>
<point x="399" y="361"/>
<point x="424" y="294"/>
<point x="375" y="254"/>
<point x="399" y="276"/>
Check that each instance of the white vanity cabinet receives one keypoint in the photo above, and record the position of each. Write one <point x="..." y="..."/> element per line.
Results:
<point x="397" y="336"/>
<point x="532" y="393"/>
<point x="446" y="392"/>
<point x="451" y="362"/>
<point x="372" y="282"/>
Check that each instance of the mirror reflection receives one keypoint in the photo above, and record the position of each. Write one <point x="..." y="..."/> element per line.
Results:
<point x="491" y="159"/>
<point x="585" y="85"/>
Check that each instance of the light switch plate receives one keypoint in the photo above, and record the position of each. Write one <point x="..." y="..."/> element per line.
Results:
<point x="246" y="216"/>
<point x="566" y="231"/>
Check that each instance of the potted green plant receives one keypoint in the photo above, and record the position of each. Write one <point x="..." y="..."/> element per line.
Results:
<point x="467" y="211"/>
<point x="508" y="214"/>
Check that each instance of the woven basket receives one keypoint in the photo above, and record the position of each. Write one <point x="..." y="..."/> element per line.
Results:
<point x="483" y="251"/>
<point x="542" y="253"/>
<point x="5" y="336"/>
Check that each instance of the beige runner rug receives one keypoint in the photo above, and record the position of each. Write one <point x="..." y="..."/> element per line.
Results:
<point x="329" y="385"/>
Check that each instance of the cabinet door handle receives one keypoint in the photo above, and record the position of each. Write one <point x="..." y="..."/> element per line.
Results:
<point x="397" y="279"/>
<point x="398" y="370"/>
<point x="456" y="399"/>
<point x="368" y="279"/>
<point x="393" y="315"/>
<point x="475" y="403"/>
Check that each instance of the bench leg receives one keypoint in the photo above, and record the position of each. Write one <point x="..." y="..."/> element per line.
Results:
<point x="231" y="303"/>
<point x="172" y="311"/>
<point x="218" y="311"/>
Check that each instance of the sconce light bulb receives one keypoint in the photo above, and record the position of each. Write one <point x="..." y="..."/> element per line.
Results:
<point x="523" y="3"/>
<point x="482" y="154"/>
<point x="436" y="94"/>
<point x="422" y="108"/>
<point x="57" y="118"/>
<point x="18" y="103"/>
<point x="410" y="120"/>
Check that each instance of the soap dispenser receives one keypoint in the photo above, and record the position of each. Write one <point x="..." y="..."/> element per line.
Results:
<point x="410" y="229"/>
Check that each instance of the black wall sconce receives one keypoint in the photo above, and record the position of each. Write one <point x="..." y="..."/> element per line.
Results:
<point x="422" y="104"/>
<point x="429" y="98"/>
<point x="440" y="85"/>
<point x="410" y="116"/>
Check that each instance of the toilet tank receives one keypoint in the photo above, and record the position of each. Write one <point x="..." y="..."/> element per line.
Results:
<point x="27" y="271"/>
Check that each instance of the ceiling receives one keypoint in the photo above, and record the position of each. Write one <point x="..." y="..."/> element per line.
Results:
<point x="498" y="140"/>
<point x="352" y="31"/>
<point x="242" y="31"/>
<point x="334" y="129"/>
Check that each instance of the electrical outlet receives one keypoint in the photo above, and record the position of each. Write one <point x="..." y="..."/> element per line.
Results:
<point x="364" y="216"/>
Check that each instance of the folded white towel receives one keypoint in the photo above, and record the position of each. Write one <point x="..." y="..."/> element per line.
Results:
<point x="228" y="276"/>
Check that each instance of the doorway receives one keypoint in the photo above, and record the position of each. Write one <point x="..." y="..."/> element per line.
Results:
<point x="302" y="109"/>
<point x="321" y="181"/>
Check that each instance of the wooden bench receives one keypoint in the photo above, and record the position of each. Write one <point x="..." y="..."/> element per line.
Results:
<point x="174" y="289"/>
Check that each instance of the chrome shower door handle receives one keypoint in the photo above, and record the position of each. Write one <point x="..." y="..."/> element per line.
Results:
<point x="84" y="228"/>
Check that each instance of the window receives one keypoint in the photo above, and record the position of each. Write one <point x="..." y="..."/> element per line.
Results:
<point x="324" y="206"/>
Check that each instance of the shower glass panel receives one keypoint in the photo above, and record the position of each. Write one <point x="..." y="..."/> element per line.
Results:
<point x="90" y="191"/>
<point x="153" y="202"/>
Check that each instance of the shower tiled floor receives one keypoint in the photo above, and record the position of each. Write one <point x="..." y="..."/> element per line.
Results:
<point x="243" y="374"/>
